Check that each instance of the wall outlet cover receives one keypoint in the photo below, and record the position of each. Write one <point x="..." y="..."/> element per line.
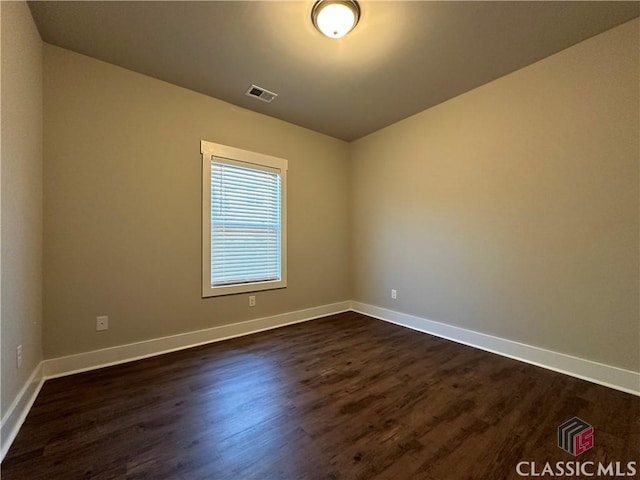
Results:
<point x="102" y="323"/>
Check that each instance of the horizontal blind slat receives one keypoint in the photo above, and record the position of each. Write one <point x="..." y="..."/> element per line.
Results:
<point x="245" y="225"/>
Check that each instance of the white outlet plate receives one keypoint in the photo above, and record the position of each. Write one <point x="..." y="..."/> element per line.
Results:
<point x="102" y="323"/>
<point x="252" y="300"/>
<point x="19" y="356"/>
<point x="394" y="294"/>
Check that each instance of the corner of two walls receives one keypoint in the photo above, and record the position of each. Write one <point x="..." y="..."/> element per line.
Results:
<point x="123" y="207"/>
<point x="21" y="212"/>
<point x="512" y="210"/>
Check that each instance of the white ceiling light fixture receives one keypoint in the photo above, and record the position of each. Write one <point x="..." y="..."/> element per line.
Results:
<point x="335" y="18"/>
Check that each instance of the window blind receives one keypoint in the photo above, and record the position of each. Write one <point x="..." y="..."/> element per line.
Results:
<point x="245" y="224"/>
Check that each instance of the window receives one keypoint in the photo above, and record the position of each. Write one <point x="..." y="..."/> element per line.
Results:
<point x="243" y="221"/>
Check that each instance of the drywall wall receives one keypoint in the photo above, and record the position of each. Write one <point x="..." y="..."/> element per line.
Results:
<point x="512" y="210"/>
<point x="123" y="207"/>
<point x="21" y="198"/>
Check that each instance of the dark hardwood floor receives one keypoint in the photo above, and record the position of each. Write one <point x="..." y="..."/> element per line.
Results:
<point x="345" y="397"/>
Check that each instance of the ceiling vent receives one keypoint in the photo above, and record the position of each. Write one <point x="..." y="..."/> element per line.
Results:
<point x="261" y="94"/>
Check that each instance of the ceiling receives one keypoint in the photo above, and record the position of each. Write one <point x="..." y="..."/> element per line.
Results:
<point x="402" y="57"/>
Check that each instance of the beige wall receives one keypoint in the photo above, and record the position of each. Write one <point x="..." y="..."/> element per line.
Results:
<point x="510" y="210"/>
<point x="513" y="209"/>
<point x="122" y="207"/>
<point x="21" y="197"/>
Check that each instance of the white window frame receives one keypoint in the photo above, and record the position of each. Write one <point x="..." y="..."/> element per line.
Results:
<point x="258" y="160"/>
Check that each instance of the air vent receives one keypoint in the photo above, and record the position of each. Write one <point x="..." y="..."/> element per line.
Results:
<point x="261" y="94"/>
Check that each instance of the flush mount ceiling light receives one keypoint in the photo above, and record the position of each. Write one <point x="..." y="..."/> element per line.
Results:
<point x="335" y="18"/>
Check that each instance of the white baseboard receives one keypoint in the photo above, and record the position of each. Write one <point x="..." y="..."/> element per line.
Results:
<point x="18" y="410"/>
<point x="62" y="366"/>
<point x="612" y="377"/>
<point x="81" y="362"/>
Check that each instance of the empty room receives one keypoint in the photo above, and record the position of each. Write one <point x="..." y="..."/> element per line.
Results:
<point x="334" y="239"/>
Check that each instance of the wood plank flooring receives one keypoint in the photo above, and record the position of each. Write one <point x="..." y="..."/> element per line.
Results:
<point x="344" y="397"/>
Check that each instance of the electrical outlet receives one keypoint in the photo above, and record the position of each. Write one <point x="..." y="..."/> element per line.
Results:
<point x="252" y="300"/>
<point x="394" y="294"/>
<point x="102" y="323"/>
<point x="19" y="356"/>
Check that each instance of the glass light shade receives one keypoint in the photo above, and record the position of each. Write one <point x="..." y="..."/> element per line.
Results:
<point x="335" y="19"/>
